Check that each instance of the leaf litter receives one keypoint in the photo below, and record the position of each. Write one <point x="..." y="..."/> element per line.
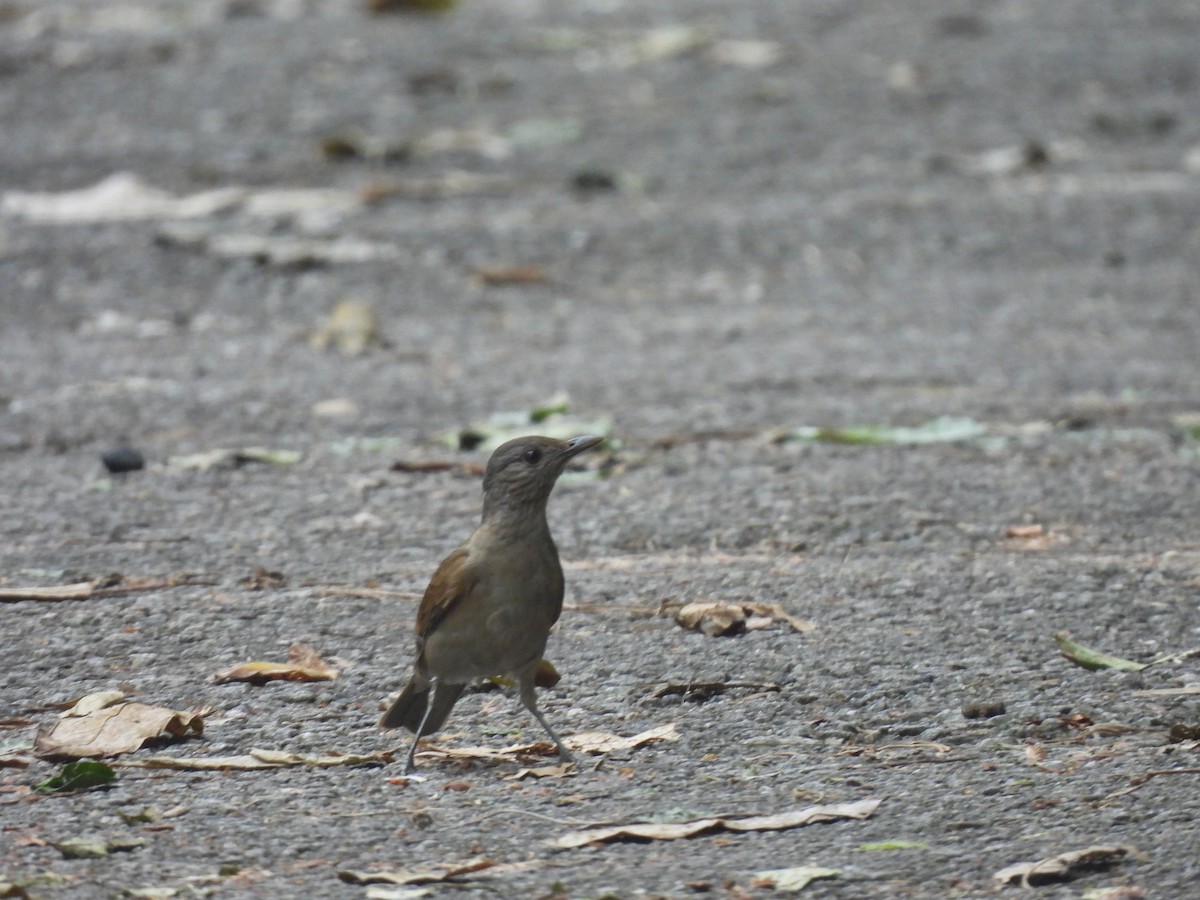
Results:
<point x="590" y="742"/>
<point x="658" y="831"/>
<point x="721" y="619"/>
<point x="105" y="724"/>
<point x="304" y="664"/>
<point x="261" y="759"/>
<point x="1065" y="866"/>
<point x="794" y="879"/>
<point x="451" y="873"/>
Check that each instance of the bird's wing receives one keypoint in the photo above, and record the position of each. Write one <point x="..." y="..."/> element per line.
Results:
<point x="451" y="582"/>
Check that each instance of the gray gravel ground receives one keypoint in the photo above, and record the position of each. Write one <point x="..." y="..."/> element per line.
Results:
<point x="983" y="210"/>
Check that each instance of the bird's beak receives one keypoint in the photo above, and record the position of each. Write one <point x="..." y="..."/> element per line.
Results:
<point x="577" y="445"/>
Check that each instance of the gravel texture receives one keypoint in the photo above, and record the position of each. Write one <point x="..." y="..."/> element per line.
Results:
<point x="826" y="214"/>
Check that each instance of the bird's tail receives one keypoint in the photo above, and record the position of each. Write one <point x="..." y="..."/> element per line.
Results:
<point x="411" y="708"/>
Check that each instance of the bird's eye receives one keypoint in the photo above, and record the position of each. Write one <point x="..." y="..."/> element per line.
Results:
<point x="533" y="456"/>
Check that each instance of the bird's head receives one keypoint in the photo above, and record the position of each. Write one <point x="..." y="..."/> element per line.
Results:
<point x="521" y="472"/>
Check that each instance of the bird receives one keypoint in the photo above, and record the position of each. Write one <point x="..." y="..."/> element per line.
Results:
<point x="490" y="605"/>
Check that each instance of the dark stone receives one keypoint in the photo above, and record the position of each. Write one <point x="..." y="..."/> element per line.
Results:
<point x="123" y="459"/>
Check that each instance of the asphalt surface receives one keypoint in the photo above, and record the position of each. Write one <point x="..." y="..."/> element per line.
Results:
<point x="716" y="228"/>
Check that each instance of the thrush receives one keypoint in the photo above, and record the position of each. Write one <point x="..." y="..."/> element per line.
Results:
<point x="491" y="603"/>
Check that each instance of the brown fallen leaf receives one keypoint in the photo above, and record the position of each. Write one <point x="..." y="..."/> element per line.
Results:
<point x="1032" y="537"/>
<point x="702" y="690"/>
<point x="480" y="866"/>
<point x="717" y="618"/>
<point x="1181" y="732"/>
<point x="105" y="725"/>
<point x="562" y="770"/>
<point x="792" y="880"/>
<point x="81" y="591"/>
<point x="91" y="703"/>
<point x="714" y="619"/>
<point x="1064" y="866"/>
<point x="262" y="579"/>
<point x="1024" y="531"/>
<point x="367" y="593"/>
<point x="603" y="742"/>
<point x="655" y="831"/>
<point x="546" y="676"/>
<point x="1169" y="692"/>
<point x="410" y="6"/>
<point x="775" y="611"/>
<point x="421" y="467"/>
<point x="304" y="664"/>
<point x="585" y="742"/>
<point x="500" y="276"/>
<point x="515" y="751"/>
<point x="260" y="759"/>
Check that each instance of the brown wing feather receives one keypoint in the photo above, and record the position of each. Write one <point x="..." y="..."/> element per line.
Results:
<point x="451" y="582"/>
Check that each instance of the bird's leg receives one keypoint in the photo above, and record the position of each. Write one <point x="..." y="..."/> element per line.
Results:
<point x="529" y="701"/>
<point x="410" y="765"/>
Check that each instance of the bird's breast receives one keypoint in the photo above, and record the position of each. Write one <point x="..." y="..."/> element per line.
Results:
<point x="503" y="622"/>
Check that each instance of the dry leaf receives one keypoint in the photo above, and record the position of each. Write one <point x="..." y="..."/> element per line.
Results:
<point x="85" y="706"/>
<point x="103" y="725"/>
<point x="423" y="466"/>
<point x="261" y="759"/>
<point x="119" y="197"/>
<point x="1062" y="867"/>
<point x="1120" y="892"/>
<point x="351" y="328"/>
<point x="436" y="751"/>
<point x="717" y="619"/>
<point x="225" y="458"/>
<point x="1035" y="755"/>
<point x="562" y="770"/>
<point x="1032" y="537"/>
<point x="746" y="54"/>
<point x="603" y="742"/>
<point x="499" y="276"/>
<point x="702" y="690"/>
<point x="451" y="872"/>
<point x="81" y="591"/>
<point x="654" y="831"/>
<point x="1024" y="531"/>
<point x="585" y="742"/>
<point x="794" y="879"/>
<point x="97" y="848"/>
<point x="1170" y="692"/>
<point x="546" y="676"/>
<point x="304" y="664"/>
<point x="713" y="619"/>
<point x="774" y="610"/>
<point x="262" y="579"/>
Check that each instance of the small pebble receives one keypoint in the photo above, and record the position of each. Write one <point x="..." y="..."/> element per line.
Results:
<point x="123" y="459"/>
<point x="984" y="709"/>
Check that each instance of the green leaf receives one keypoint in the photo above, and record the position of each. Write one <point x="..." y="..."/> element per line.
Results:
<point x="545" y="132"/>
<point x="1093" y="659"/>
<point x="81" y="775"/>
<point x="795" y="879"/>
<point x="894" y="845"/>
<point x="944" y="429"/>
